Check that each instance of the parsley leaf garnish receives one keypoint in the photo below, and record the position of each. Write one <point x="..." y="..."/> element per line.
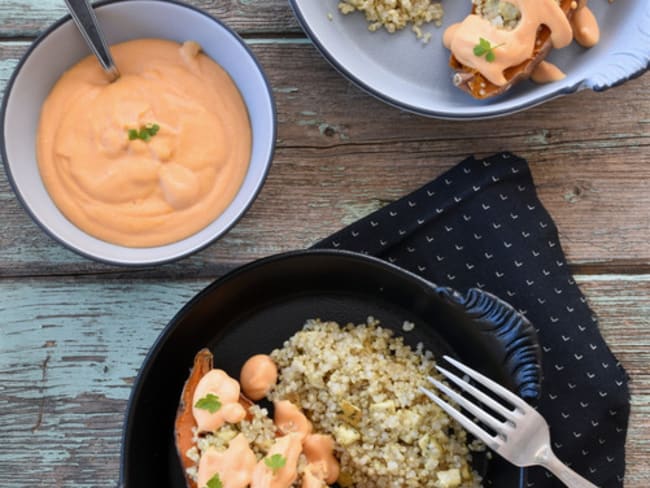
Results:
<point x="209" y="402"/>
<point x="145" y="133"/>
<point x="214" y="482"/>
<point x="484" y="48"/>
<point x="275" y="462"/>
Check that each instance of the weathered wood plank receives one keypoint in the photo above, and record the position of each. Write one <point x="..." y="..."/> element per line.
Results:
<point x="70" y="348"/>
<point x="623" y="307"/>
<point x="68" y="355"/>
<point x="335" y="164"/>
<point x="28" y="18"/>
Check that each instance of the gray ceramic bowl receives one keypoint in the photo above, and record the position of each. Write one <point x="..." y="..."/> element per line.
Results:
<point x="401" y="71"/>
<point x="60" y="47"/>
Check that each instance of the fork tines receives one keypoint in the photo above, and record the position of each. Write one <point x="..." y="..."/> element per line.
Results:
<point x="502" y="428"/>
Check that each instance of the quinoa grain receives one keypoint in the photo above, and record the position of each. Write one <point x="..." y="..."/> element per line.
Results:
<point x="360" y="384"/>
<point x="394" y="15"/>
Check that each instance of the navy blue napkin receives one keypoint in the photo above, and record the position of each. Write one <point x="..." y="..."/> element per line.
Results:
<point x="481" y="225"/>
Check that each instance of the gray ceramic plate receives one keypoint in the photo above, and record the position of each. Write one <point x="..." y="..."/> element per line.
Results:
<point x="401" y="71"/>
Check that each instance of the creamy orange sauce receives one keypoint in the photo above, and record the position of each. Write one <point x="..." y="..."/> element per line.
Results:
<point x="237" y="465"/>
<point x="234" y="466"/>
<point x="546" y="72"/>
<point x="310" y="480"/>
<point x="258" y="375"/>
<point x="319" y="451"/>
<point x="288" y="446"/>
<point x="226" y="389"/>
<point x="516" y="45"/>
<point x="289" y="419"/>
<point x="585" y="26"/>
<point x="449" y="34"/>
<point x="144" y="193"/>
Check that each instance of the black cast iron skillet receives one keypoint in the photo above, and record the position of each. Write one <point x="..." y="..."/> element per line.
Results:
<point x="255" y="308"/>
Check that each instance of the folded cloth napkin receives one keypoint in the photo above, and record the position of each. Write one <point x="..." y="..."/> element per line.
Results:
<point x="481" y="225"/>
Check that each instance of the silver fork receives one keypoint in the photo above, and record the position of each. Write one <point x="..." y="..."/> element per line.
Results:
<point x="522" y="438"/>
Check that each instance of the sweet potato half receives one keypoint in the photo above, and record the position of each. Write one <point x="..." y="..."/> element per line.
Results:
<point x="474" y="83"/>
<point x="185" y="423"/>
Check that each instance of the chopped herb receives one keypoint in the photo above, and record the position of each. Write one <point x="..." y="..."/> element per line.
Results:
<point x="209" y="402"/>
<point x="275" y="462"/>
<point x="214" y="482"/>
<point x="145" y="133"/>
<point x="484" y="48"/>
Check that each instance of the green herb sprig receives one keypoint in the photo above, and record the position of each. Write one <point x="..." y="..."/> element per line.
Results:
<point x="275" y="462"/>
<point x="484" y="48"/>
<point x="145" y="133"/>
<point x="214" y="482"/>
<point x="209" y="402"/>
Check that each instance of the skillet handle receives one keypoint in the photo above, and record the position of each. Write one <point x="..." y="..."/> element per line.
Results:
<point x="631" y="54"/>
<point x="511" y="329"/>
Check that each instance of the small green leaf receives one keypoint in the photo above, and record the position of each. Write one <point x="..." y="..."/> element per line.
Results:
<point x="209" y="402"/>
<point x="214" y="482"/>
<point x="145" y="133"/>
<point x="275" y="462"/>
<point x="484" y="48"/>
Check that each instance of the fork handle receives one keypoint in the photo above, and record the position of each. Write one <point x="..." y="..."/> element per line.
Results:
<point x="547" y="458"/>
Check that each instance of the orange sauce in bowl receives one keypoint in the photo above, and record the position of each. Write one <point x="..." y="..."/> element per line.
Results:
<point x="113" y="176"/>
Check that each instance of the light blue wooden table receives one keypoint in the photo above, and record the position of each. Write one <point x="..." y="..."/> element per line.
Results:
<point x="73" y="333"/>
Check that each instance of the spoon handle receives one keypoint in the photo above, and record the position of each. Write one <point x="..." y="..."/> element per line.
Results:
<point x="84" y="16"/>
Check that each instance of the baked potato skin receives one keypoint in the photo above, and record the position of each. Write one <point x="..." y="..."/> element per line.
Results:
<point x="474" y="83"/>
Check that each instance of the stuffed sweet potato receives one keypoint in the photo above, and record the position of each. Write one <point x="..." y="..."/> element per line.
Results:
<point x="501" y="43"/>
<point x="224" y="439"/>
<point x="185" y="425"/>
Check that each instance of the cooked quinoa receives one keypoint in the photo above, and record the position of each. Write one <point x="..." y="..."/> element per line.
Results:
<point x="394" y="15"/>
<point x="259" y="429"/>
<point x="360" y="384"/>
<point x="499" y="12"/>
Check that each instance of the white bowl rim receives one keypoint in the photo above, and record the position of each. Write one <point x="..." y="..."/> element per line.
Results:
<point x="151" y="262"/>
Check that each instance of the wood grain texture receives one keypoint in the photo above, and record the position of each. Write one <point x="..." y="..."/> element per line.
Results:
<point x="70" y="349"/>
<point x="622" y="304"/>
<point x="28" y="18"/>
<point x="334" y="164"/>
<point x="73" y="333"/>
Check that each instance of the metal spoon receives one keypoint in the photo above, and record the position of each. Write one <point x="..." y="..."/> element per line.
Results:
<point x="84" y="16"/>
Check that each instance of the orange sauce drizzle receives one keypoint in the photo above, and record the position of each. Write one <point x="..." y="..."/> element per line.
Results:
<point x="258" y="375"/>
